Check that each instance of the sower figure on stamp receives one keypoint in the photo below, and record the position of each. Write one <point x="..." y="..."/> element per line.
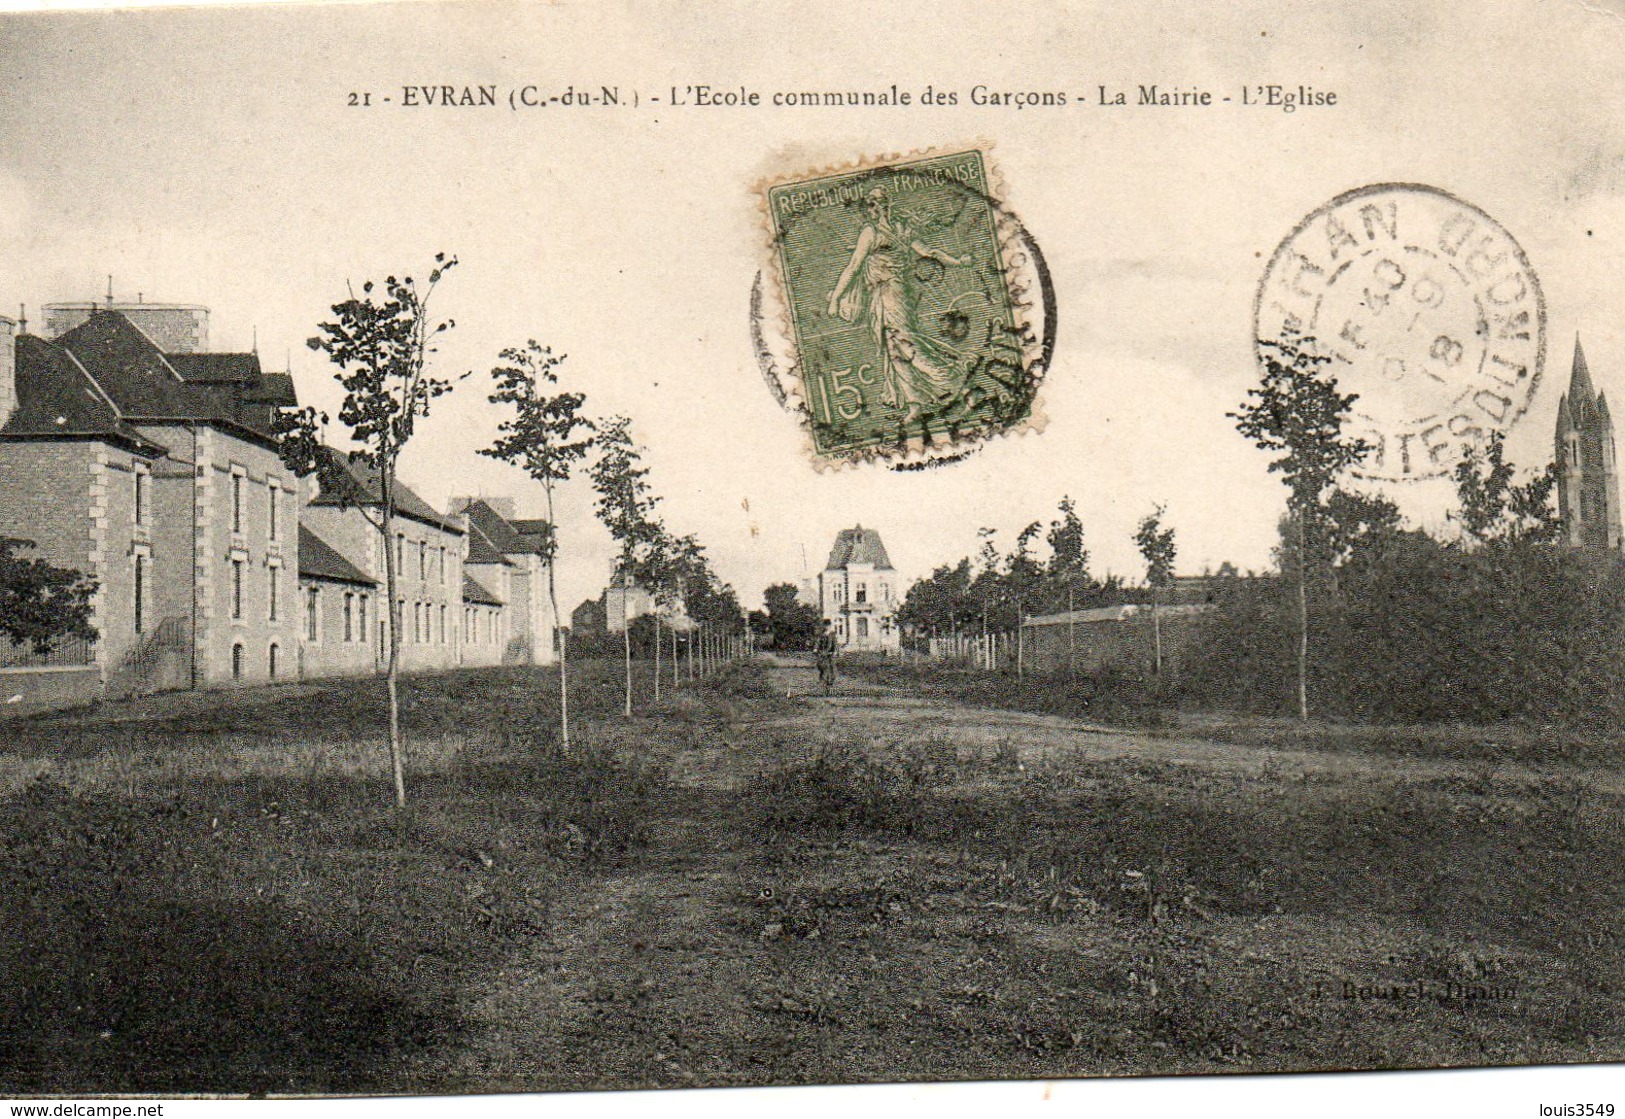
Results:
<point x="919" y="372"/>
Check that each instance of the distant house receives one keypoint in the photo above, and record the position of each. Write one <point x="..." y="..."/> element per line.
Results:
<point x="858" y="593"/>
<point x="587" y="619"/>
<point x="428" y="555"/>
<point x="624" y="603"/>
<point x="133" y="456"/>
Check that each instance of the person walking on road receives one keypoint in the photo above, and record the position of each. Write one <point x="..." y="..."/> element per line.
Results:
<point x="825" y="654"/>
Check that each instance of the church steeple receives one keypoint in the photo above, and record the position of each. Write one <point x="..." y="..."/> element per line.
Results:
<point x="1588" y="478"/>
<point x="1580" y="380"/>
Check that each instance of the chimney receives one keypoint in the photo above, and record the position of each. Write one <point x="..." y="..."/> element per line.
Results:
<point x="8" y="369"/>
<point x="174" y="328"/>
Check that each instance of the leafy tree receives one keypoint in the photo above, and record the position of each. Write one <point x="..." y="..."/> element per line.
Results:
<point x="1297" y="414"/>
<point x="1023" y="572"/>
<point x="1068" y="566"/>
<point x="1023" y="582"/>
<point x="942" y="603"/>
<point x="660" y="572"/>
<point x="547" y="436"/>
<point x="626" y="506"/>
<point x="381" y="343"/>
<point x="1157" y="547"/>
<point x="793" y="623"/>
<point x="1357" y="523"/>
<point x="711" y="604"/>
<point x="42" y="605"/>
<point x="1496" y="512"/>
<point x="988" y="585"/>
<point x="694" y="584"/>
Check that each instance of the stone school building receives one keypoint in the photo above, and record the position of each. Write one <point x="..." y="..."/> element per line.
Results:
<point x="132" y="454"/>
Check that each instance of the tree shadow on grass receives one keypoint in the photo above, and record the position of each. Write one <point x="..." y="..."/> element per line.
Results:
<point x="120" y="977"/>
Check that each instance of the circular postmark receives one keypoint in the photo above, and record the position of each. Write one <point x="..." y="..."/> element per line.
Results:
<point x="1429" y="311"/>
<point x="906" y="314"/>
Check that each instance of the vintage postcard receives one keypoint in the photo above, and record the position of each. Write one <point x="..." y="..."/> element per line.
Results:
<point x="571" y="547"/>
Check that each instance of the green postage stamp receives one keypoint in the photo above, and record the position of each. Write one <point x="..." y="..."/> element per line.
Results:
<point x="916" y="314"/>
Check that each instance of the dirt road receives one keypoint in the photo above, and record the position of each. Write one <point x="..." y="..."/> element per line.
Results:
<point x="1039" y="896"/>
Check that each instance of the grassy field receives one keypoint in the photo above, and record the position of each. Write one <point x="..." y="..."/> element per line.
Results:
<point x="212" y="893"/>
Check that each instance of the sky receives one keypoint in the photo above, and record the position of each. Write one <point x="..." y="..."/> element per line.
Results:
<point x="210" y="156"/>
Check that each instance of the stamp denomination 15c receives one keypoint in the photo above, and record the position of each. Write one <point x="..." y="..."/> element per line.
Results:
<point x="1430" y="311"/>
<point x="908" y="300"/>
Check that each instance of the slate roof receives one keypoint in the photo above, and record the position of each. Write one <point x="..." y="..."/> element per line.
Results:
<point x="361" y="487"/>
<point x="474" y="591"/>
<point x="480" y="548"/>
<point x="511" y="538"/>
<point x="58" y="399"/>
<point x="105" y="375"/>
<point x="145" y="385"/>
<point x="320" y="560"/>
<point x="216" y="368"/>
<point x="858" y="545"/>
<point x="1580" y="379"/>
<point x="1582" y="406"/>
<point x="276" y="388"/>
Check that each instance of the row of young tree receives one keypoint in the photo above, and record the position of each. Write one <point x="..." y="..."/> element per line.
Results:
<point x="672" y="569"/>
<point x="994" y="591"/>
<point x="1365" y="616"/>
<point x="382" y="342"/>
<point x="1370" y="618"/>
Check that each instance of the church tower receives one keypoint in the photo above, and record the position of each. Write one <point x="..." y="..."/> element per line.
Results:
<point x="1588" y="479"/>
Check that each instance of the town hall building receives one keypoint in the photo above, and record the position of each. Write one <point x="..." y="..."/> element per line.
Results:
<point x="858" y="593"/>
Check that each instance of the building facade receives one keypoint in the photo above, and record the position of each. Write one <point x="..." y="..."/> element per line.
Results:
<point x="1588" y="475"/>
<point x="858" y="593"/>
<point x="135" y="456"/>
<point x="587" y="619"/>
<point x="624" y="603"/>
<point x="485" y="625"/>
<point x="338" y="603"/>
<point x="514" y="553"/>
<point x="155" y="472"/>
<point x="427" y="550"/>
